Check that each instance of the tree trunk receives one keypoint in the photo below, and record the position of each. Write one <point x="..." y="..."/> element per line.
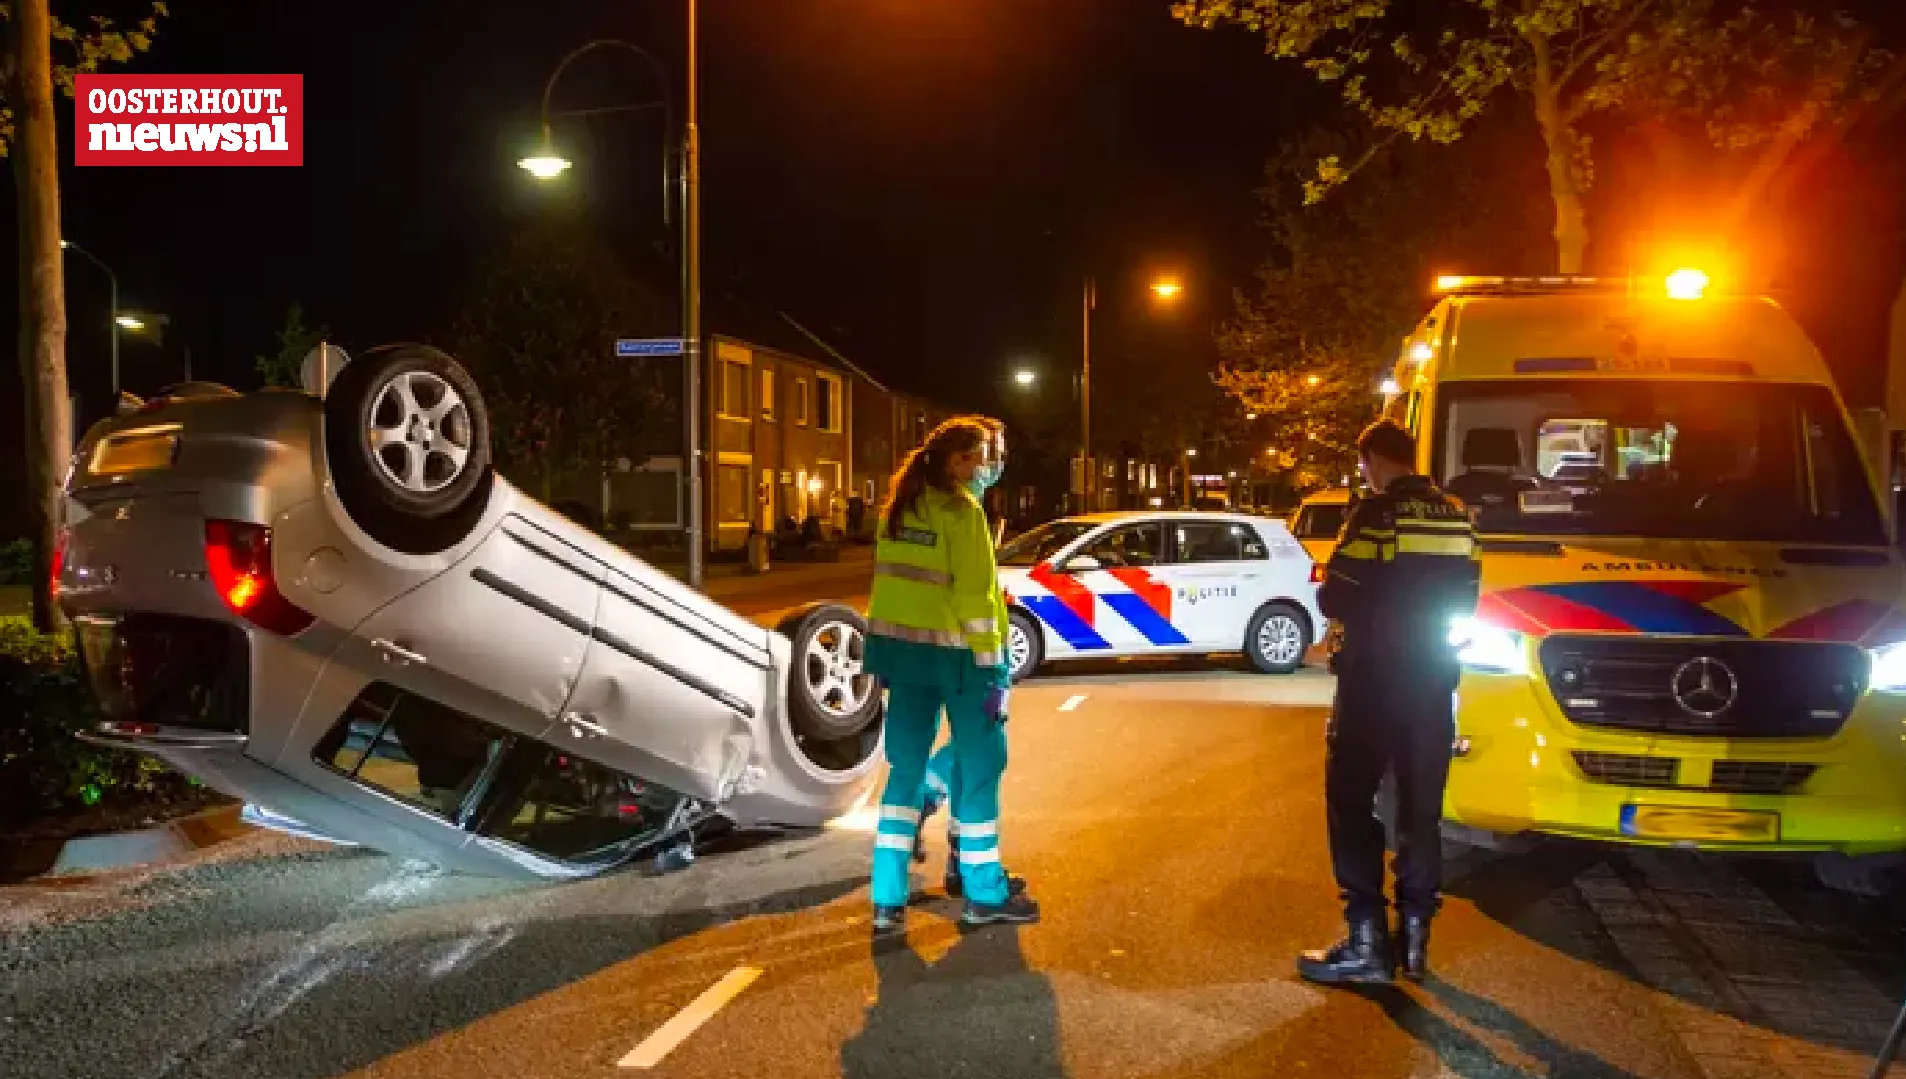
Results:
<point x="49" y="424"/>
<point x="1558" y="137"/>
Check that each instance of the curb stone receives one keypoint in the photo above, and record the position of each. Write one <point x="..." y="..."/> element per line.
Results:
<point x="143" y="846"/>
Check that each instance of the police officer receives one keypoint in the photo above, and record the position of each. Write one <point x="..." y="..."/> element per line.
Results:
<point x="936" y="627"/>
<point x="1405" y="565"/>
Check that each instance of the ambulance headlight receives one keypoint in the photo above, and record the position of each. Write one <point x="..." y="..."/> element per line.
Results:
<point x="1889" y="669"/>
<point x="1483" y="647"/>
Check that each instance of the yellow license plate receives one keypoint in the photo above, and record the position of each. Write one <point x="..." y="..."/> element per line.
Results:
<point x="1689" y="823"/>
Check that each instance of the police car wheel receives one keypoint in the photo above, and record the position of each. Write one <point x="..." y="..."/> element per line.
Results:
<point x="1277" y="639"/>
<point x="1025" y="650"/>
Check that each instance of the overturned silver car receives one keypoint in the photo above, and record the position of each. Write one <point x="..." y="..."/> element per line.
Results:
<point x="329" y="605"/>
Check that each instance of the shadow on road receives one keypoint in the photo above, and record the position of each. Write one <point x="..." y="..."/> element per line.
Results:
<point x="1464" y="1054"/>
<point x="979" y="1011"/>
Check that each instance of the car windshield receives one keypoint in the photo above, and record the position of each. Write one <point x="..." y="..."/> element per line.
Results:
<point x="1655" y="458"/>
<point x="1040" y="544"/>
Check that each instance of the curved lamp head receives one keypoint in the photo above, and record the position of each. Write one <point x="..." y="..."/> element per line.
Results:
<point x="546" y="165"/>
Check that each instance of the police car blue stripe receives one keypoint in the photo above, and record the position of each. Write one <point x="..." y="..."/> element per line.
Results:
<point x="1069" y="626"/>
<point x="1146" y="621"/>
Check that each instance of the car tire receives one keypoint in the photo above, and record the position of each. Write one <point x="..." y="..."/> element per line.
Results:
<point x="834" y="705"/>
<point x="407" y="441"/>
<point x="1277" y="638"/>
<point x="1869" y="877"/>
<point x="1025" y="644"/>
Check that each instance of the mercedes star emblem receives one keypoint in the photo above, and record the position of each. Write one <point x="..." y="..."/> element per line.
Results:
<point x="1704" y="687"/>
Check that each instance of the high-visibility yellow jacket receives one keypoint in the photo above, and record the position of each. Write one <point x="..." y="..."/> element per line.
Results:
<point x="937" y="615"/>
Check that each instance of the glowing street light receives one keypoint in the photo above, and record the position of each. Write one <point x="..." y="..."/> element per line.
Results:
<point x="129" y="322"/>
<point x="1313" y="380"/>
<point x="1025" y="376"/>
<point x="545" y="166"/>
<point x="1389" y="388"/>
<point x="1167" y="288"/>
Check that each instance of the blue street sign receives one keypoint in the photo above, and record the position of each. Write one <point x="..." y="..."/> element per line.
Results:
<point x="649" y="346"/>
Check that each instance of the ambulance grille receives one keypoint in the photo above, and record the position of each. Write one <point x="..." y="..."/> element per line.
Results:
<point x="1717" y="688"/>
<point x="1729" y="777"/>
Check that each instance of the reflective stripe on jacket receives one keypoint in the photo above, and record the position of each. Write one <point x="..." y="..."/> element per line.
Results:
<point x="936" y="584"/>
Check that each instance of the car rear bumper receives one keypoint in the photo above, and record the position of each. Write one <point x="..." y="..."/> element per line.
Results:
<point x="1524" y="769"/>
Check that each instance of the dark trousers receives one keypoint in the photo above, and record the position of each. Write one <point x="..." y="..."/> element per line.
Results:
<point x="1401" y="723"/>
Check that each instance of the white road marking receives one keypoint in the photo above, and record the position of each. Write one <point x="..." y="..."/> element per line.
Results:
<point x="689" y="1019"/>
<point x="1072" y="702"/>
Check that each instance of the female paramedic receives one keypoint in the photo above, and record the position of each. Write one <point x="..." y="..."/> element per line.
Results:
<point x="936" y="629"/>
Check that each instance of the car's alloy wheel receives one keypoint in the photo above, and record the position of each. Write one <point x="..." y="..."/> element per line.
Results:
<point x="1024" y="648"/>
<point x="1280" y="640"/>
<point x="420" y="434"/>
<point x="837" y="681"/>
<point x="1018" y="647"/>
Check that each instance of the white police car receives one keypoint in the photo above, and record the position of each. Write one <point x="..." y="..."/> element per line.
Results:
<point x="1159" y="583"/>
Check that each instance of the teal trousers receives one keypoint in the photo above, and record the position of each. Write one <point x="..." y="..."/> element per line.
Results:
<point x="979" y="756"/>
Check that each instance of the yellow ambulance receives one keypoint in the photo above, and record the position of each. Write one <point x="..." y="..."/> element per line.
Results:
<point x="1691" y="631"/>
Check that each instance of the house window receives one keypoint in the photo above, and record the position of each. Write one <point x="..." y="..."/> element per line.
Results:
<point x="829" y="406"/>
<point x="731" y="494"/>
<point x="800" y="401"/>
<point x="734" y="390"/>
<point x="767" y="394"/>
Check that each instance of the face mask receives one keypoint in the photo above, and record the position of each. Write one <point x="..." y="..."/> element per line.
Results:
<point x="984" y="477"/>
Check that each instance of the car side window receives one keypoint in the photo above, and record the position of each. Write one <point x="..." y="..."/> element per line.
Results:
<point x="412" y="748"/>
<point x="1218" y="541"/>
<point x="1133" y="545"/>
<point x="564" y="807"/>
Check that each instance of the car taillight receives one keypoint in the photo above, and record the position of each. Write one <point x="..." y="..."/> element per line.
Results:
<point x="238" y="557"/>
<point x="1316" y="573"/>
<point x="59" y="563"/>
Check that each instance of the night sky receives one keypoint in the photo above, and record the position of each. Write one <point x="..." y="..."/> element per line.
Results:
<point x="922" y="183"/>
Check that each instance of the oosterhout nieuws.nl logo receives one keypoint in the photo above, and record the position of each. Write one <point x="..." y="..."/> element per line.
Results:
<point x="189" y="120"/>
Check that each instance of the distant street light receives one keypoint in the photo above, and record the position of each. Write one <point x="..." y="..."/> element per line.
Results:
<point x="1313" y="380"/>
<point x="1250" y="415"/>
<point x="129" y="322"/>
<point x="1167" y="288"/>
<point x="1192" y="452"/>
<point x="1389" y="388"/>
<point x="1025" y="376"/>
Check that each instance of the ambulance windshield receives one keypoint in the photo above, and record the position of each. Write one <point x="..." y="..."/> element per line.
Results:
<point x="1656" y="458"/>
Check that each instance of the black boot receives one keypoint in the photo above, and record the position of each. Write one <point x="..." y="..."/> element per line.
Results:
<point x="1413" y="933"/>
<point x="956" y="888"/>
<point x="1362" y="958"/>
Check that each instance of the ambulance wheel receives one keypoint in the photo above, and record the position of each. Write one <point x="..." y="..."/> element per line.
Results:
<point x="1277" y="639"/>
<point x="1025" y="648"/>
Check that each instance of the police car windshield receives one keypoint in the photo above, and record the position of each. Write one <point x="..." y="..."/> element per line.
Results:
<point x="1655" y="458"/>
<point x="1040" y="544"/>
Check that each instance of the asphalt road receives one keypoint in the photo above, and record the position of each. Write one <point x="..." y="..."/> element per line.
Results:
<point x="1170" y="821"/>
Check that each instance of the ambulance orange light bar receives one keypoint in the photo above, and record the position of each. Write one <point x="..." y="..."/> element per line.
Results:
<point x="1451" y="283"/>
<point x="1687" y="283"/>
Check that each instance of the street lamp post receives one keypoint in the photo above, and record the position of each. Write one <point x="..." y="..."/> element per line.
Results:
<point x="112" y="279"/>
<point x="1088" y="497"/>
<point x="548" y="165"/>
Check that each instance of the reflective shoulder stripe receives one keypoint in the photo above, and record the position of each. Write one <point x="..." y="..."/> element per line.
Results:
<point x="1416" y="543"/>
<point x="1431" y="524"/>
<point x="912" y="573"/>
<point x="941" y="637"/>
<point x="979" y="625"/>
<point x="987" y="659"/>
<point x="1361" y="549"/>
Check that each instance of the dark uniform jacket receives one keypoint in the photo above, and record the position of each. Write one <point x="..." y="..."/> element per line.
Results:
<point x="1405" y="564"/>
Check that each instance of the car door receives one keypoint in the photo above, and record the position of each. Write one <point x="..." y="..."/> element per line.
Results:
<point x="500" y="635"/>
<point x="665" y="693"/>
<point x="1113" y="577"/>
<point x="1213" y="572"/>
